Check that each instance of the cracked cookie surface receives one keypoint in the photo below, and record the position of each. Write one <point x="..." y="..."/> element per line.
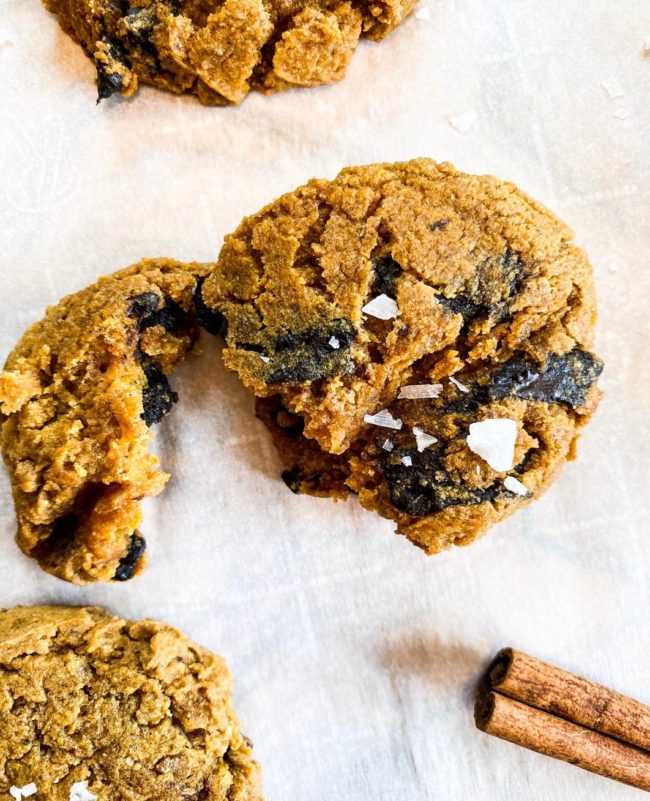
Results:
<point x="134" y="710"/>
<point x="337" y="297"/>
<point x="221" y="49"/>
<point x="78" y="397"/>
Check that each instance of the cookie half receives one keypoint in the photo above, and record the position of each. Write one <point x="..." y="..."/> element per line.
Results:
<point x="78" y="397"/>
<point x="221" y="49"/>
<point x="381" y="315"/>
<point x="93" y="706"/>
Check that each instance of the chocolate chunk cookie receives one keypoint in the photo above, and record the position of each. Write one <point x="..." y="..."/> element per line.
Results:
<point x="92" y="706"/>
<point x="221" y="49"/>
<point x="78" y="397"/>
<point x="414" y="335"/>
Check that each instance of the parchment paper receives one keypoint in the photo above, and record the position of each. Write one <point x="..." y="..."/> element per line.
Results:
<point x="354" y="655"/>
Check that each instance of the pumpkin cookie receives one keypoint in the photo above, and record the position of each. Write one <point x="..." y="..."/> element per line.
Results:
<point x="95" y="707"/>
<point x="221" y="49"/>
<point x="78" y="397"/>
<point x="415" y="335"/>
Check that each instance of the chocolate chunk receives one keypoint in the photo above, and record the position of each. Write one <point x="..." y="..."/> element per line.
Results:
<point x="564" y="379"/>
<point x="109" y="81"/>
<point x="144" y="304"/>
<point x="496" y="283"/>
<point x="293" y="478"/>
<point x="213" y="321"/>
<point x="308" y="355"/>
<point x="171" y="317"/>
<point x="128" y="563"/>
<point x="424" y="486"/>
<point x="158" y="397"/>
<point x="387" y="271"/>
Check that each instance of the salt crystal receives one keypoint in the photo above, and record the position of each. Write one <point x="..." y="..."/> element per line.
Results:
<point x="29" y="789"/>
<point x="514" y="485"/>
<point x="419" y="391"/>
<point x="613" y="88"/>
<point x="457" y="383"/>
<point x="18" y="793"/>
<point x="384" y="419"/>
<point x="265" y="358"/>
<point x="407" y="461"/>
<point x="382" y="307"/>
<point x="494" y="441"/>
<point x="423" y="14"/>
<point x="334" y="343"/>
<point x="15" y="792"/>
<point x="80" y="792"/>
<point x="462" y="122"/>
<point x="388" y="445"/>
<point x="422" y="439"/>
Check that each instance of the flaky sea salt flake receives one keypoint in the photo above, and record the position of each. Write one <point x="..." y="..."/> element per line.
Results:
<point x="383" y="419"/>
<point x="388" y="445"/>
<point x="265" y="359"/>
<point x="422" y="439"/>
<point x="423" y="14"/>
<point x="513" y="484"/>
<point x="462" y="122"/>
<point x="494" y="441"/>
<point x="613" y="88"/>
<point x="382" y="307"/>
<point x="457" y="384"/>
<point x="407" y="461"/>
<point x="80" y="792"/>
<point x="22" y="792"/>
<point x="334" y="343"/>
<point x="419" y="391"/>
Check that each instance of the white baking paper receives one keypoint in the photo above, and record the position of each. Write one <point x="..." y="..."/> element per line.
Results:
<point x="354" y="655"/>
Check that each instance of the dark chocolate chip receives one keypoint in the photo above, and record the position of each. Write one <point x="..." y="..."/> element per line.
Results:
<point x="425" y="487"/>
<point x="387" y="271"/>
<point x="438" y="225"/>
<point x="564" y="379"/>
<point x="127" y="566"/>
<point x="108" y="80"/>
<point x="144" y="304"/>
<point x="158" y="397"/>
<point x="213" y="321"/>
<point x="308" y="355"/>
<point x="171" y="317"/>
<point x="293" y="478"/>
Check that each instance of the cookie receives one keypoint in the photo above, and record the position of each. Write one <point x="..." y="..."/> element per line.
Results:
<point x="221" y="49"/>
<point x="383" y="317"/>
<point x="78" y="397"/>
<point x="93" y="706"/>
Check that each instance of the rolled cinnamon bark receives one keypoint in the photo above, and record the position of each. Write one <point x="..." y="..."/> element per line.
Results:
<point x="546" y="687"/>
<point x="547" y="734"/>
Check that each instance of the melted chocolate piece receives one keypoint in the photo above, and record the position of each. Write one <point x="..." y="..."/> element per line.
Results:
<point x="308" y="355"/>
<point x="127" y="566"/>
<point x="158" y="397"/>
<point x="564" y="379"/>
<point x="213" y="321"/>
<point x="108" y="81"/>
<point x="387" y="271"/>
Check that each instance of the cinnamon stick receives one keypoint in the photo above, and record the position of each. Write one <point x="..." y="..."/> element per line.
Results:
<point x="553" y="712"/>
<point x="547" y="734"/>
<point x="546" y="687"/>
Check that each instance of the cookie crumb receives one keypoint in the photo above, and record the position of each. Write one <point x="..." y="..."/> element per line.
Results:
<point x="514" y="485"/>
<point x="457" y="384"/>
<point x="382" y="307"/>
<point x="646" y="46"/>
<point x="419" y="391"/>
<point x="422" y="439"/>
<point x="384" y="419"/>
<point x="494" y="441"/>
<point x="462" y="122"/>
<point x="333" y="342"/>
<point x="613" y="88"/>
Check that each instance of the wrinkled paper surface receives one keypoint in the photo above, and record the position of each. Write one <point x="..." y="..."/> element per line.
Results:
<point x="354" y="655"/>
